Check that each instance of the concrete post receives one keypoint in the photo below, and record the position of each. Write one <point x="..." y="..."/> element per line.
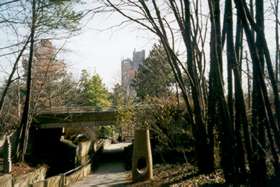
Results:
<point x="142" y="164"/>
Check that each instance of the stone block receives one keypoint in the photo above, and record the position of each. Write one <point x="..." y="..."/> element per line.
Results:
<point x="53" y="181"/>
<point x="39" y="184"/>
<point x="87" y="170"/>
<point x="6" y="180"/>
<point x="21" y="181"/>
<point x="84" y="148"/>
<point x="38" y="175"/>
<point x="84" y="160"/>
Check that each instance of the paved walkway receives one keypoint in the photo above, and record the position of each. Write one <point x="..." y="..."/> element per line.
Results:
<point x="111" y="172"/>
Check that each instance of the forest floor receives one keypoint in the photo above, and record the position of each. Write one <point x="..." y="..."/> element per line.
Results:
<point x="181" y="175"/>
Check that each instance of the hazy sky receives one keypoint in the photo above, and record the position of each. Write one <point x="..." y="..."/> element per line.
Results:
<point x="101" y="50"/>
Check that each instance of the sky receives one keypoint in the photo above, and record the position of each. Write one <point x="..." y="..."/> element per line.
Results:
<point x="100" y="48"/>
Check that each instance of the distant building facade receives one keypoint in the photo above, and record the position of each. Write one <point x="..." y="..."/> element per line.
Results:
<point x="129" y="69"/>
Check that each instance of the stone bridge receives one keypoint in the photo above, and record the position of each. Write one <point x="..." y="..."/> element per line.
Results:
<point x="49" y="143"/>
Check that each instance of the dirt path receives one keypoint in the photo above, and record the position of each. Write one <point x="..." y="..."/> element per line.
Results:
<point x="111" y="172"/>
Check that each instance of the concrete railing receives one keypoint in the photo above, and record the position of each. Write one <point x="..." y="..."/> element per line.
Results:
<point x="76" y="175"/>
<point x="30" y="178"/>
<point x="65" y="179"/>
<point x="8" y="180"/>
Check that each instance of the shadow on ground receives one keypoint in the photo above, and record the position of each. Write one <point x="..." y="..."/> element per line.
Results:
<point x="110" y="169"/>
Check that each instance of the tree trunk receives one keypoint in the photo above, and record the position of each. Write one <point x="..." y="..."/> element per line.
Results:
<point x="224" y="121"/>
<point x="206" y="162"/>
<point x="259" y="171"/>
<point x="276" y="41"/>
<point x="240" y="109"/>
<point x="25" y="121"/>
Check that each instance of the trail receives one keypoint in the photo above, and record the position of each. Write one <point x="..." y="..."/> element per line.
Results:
<point x="111" y="171"/>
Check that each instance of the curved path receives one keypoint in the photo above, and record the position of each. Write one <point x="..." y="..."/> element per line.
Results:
<point x="111" y="172"/>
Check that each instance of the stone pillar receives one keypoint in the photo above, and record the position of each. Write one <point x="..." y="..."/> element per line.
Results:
<point x="142" y="164"/>
<point x="7" y="155"/>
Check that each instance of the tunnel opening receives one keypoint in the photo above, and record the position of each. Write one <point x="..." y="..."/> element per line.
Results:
<point x="142" y="165"/>
<point x="113" y="158"/>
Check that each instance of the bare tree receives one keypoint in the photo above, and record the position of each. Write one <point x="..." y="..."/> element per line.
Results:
<point x="10" y="79"/>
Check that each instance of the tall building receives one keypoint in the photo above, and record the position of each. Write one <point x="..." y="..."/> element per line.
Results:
<point x="129" y="68"/>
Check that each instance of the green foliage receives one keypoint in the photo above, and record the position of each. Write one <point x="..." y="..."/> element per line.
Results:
<point x="154" y="78"/>
<point x="94" y="91"/>
<point x="118" y="96"/>
<point x="125" y="115"/>
<point x="169" y="132"/>
<point x="106" y="132"/>
<point x="125" y="111"/>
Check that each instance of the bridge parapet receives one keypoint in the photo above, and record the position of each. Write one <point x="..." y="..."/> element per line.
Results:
<point x="80" y="109"/>
<point x="76" y="119"/>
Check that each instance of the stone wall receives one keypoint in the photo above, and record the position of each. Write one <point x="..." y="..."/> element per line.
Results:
<point x="37" y="177"/>
<point x="30" y="178"/>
